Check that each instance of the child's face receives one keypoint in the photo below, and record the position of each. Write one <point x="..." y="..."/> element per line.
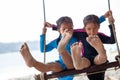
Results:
<point x="92" y="29"/>
<point x="64" y="26"/>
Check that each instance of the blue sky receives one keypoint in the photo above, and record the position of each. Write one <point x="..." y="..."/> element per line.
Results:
<point x="22" y="20"/>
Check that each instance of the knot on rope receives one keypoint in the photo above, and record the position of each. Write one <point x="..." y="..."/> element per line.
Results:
<point x="40" y="76"/>
<point x="118" y="59"/>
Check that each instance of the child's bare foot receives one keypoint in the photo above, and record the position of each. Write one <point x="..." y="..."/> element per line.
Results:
<point x="77" y="48"/>
<point x="79" y="62"/>
<point x="63" y="42"/>
<point x="95" y="42"/>
<point x="76" y="52"/>
<point x="27" y="55"/>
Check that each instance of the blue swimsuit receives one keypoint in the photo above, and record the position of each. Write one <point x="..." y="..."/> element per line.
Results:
<point x="52" y="45"/>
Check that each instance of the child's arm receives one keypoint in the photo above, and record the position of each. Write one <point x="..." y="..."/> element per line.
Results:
<point x="106" y="15"/>
<point x="50" y="46"/>
<point x="110" y="39"/>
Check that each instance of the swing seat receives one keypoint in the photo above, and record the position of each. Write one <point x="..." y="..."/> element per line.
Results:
<point x="90" y="70"/>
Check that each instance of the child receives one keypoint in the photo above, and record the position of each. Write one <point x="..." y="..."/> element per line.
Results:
<point x="65" y="25"/>
<point x="92" y="43"/>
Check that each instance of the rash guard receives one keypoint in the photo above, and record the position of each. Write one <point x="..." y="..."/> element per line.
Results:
<point x="89" y="51"/>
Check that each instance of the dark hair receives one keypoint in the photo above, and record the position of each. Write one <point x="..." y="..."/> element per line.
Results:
<point x="63" y="19"/>
<point x="91" y="18"/>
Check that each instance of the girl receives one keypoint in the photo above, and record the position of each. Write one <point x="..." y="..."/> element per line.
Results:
<point x="92" y="43"/>
<point x="65" y="27"/>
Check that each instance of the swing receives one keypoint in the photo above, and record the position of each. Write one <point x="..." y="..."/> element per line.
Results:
<point x="90" y="70"/>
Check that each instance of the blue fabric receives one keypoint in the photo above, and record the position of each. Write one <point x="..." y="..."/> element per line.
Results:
<point x="69" y="77"/>
<point x="50" y="46"/>
<point x="53" y="44"/>
<point x="102" y="19"/>
<point x="61" y="63"/>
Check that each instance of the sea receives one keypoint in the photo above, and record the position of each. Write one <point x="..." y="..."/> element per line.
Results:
<point x="13" y="67"/>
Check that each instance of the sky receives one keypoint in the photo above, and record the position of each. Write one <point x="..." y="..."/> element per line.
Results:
<point x="22" y="20"/>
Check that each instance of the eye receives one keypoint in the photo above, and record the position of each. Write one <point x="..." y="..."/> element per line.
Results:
<point x="88" y="29"/>
<point x="63" y="29"/>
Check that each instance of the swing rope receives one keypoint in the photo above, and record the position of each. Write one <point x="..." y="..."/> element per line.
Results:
<point x="115" y="37"/>
<point x="43" y="74"/>
<point x="45" y="34"/>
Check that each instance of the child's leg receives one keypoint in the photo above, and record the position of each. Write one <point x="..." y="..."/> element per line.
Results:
<point x="79" y="62"/>
<point x="66" y="57"/>
<point x="95" y="42"/>
<point x="31" y="62"/>
<point x="52" y="66"/>
<point x="27" y="55"/>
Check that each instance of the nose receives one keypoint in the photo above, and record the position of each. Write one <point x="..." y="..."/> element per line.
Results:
<point x="92" y="32"/>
